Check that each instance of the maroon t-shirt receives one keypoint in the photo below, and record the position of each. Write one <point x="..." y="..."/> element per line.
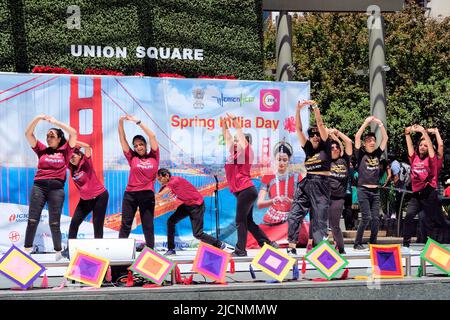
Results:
<point x="143" y="170"/>
<point x="438" y="168"/>
<point x="184" y="191"/>
<point x="237" y="169"/>
<point x="86" y="180"/>
<point x="422" y="172"/>
<point x="52" y="163"/>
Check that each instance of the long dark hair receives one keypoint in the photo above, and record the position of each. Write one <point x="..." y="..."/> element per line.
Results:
<point x="60" y="134"/>
<point x="72" y="167"/>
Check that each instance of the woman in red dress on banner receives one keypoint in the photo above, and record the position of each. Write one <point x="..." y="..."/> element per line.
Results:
<point x="280" y="188"/>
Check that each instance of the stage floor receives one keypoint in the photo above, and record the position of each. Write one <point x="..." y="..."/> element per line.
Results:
<point x="240" y="285"/>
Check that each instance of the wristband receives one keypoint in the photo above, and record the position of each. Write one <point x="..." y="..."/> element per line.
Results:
<point x="380" y="125"/>
<point x="138" y="122"/>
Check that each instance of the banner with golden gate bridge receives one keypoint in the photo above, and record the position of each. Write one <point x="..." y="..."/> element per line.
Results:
<point x="183" y="113"/>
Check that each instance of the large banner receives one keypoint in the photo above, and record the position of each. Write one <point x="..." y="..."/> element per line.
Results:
<point x="183" y="113"/>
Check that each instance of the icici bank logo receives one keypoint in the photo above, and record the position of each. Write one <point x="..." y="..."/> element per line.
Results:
<point x="12" y="218"/>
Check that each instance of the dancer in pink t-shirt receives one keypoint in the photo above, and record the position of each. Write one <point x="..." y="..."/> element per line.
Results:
<point x="93" y="195"/>
<point x="425" y="197"/>
<point x="49" y="179"/>
<point x="139" y="192"/>
<point x="237" y="171"/>
<point x="192" y="206"/>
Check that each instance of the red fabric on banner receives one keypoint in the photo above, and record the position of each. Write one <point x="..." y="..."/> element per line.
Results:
<point x="279" y="233"/>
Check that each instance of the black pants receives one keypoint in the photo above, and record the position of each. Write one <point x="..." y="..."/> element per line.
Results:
<point x="244" y="219"/>
<point x="427" y="200"/>
<point x="195" y="213"/>
<point x="349" y="220"/>
<point x="313" y="195"/>
<point x="369" y="204"/>
<point x="334" y="216"/>
<point x="98" y="207"/>
<point x="52" y="193"/>
<point x="145" y="200"/>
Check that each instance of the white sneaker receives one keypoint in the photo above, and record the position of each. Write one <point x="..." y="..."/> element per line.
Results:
<point x="58" y="255"/>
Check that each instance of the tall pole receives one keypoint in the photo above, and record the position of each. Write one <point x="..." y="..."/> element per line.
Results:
<point x="377" y="52"/>
<point x="284" y="47"/>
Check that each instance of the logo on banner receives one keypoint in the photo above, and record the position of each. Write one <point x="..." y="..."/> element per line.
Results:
<point x="23" y="217"/>
<point x="222" y="100"/>
<point x="14" y="236"/>
<point x="198" y="94"/>
<point x="269" y="100"/>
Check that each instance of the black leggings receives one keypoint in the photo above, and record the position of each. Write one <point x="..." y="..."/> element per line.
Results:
<point x="195" y="213"/>
<point x="427" y="200"/>
<point x="98" y="207"/>
<point x="313" y="195"/>
<point x="145" y="200"/>
<point x="244" y="219"/>
<point x="50" y="192"/>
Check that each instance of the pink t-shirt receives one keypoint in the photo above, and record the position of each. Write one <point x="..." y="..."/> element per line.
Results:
<point x="422" y="172"/>
<point x="447" y="192"/>
<point x="237" y="169"/>
<point x="143" y="170"/>
<point x="52" y="163"/>
<point x="86" y="180"/>
<point x="438" y="168"/>
<point x="184" y="191"/>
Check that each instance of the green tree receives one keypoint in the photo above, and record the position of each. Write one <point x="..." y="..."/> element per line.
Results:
<point x="328" y="49"/>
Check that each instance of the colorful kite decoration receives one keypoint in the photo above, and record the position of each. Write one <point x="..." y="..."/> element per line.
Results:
<point x="87" y="268"/>
<point x="326" y="259"/>
<point x="386" y="261"/>
<point x="211" y="262"/>
<point x="273" y="262"/>
<point x="20" y="267"/>
<point x="436" y="254"/>
<point x="152" y="265"/>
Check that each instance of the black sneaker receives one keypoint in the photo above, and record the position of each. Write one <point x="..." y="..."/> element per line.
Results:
<point x="274" y="244"/>
<point x="291" y="251"/>
<point x="170" y="252"/>
<point x="239" y="254"/>
<point x="359" y="247"/>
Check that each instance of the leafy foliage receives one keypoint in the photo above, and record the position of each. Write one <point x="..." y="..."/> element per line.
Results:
<point x="229" y="31"/>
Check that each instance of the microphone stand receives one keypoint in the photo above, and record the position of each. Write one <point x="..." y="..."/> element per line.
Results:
<point x="216" y="203"/>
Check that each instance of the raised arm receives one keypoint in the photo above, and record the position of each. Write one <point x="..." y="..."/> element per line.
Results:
<point x="322" y="129"/>
<point x="122" y="137"/>
<point x="419" y="128"/>
<point x="361" y="130"/>
<point x="73" y="134"/>
<point x="29" y="132"/>
<point x="384" y="135"/>
<point x="332" y="134"/>
<point x="409" y="143"/>
<point x="239" y="133"/>
<point x="298" y="122"/>
<point x="347" y="141"/>
<point x="440" y="142"/>
<point x="87" y="148"/>
<point x="226" y="133"/>
<point x="150" y="134"/>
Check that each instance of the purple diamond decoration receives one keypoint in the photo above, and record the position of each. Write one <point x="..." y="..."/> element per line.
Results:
<point x="212" y="262"/>
<point x="273" y="261"/>
<point x="386" y="261"/>
<point x="327" y="259"/>
<point x="88" y="269"/>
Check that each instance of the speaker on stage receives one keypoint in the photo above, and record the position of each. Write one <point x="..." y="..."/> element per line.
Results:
<point x="111" y="249"/>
